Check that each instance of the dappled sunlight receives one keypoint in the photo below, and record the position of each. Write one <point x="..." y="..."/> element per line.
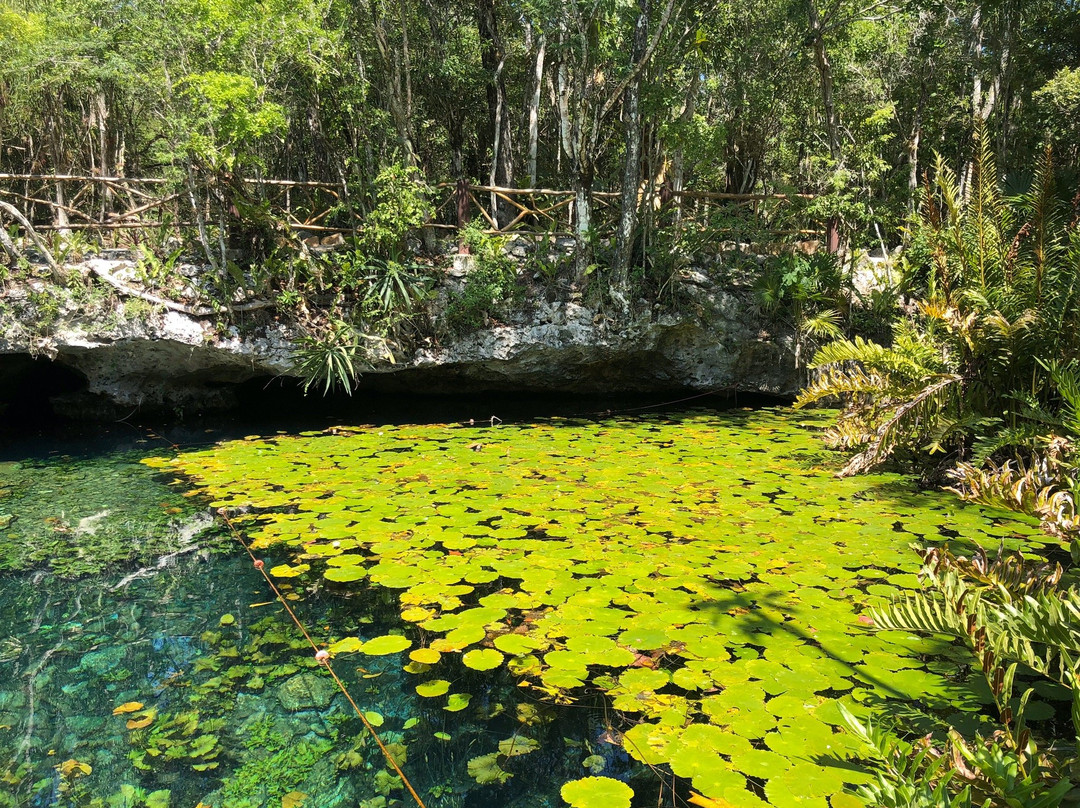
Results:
<point x="705" y="571"/>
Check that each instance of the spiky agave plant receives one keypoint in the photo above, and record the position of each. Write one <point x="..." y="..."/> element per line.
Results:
<point x="1001" y="299"/>
<point x="329" y="359"/>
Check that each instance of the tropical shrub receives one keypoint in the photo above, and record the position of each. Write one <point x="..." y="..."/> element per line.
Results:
<point x="330" y="359"/>
<point x="975" y="356"/>
<point x="806" y="290"/>
<point x="1015" y="616"/>
<point x="491" y="281"/>
<point x="402" y="207"/>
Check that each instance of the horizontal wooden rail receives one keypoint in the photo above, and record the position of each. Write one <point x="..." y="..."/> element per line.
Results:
<point x="114" y="204"/>
<point x="80" y="178"/>
<point x="331" y="186"/>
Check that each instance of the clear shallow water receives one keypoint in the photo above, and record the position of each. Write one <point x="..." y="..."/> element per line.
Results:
<point x="244" y="702"/>
<point x="691" y="586"/>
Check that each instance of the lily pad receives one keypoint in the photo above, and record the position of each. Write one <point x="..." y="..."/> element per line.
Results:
<point x="597" y="792"/>
<point x="387" y="644"/>
<point x="426" y="656"/>
<point x="483" y="659"/>
<point x="432" y="688"/>
<point x="457" y="702"/>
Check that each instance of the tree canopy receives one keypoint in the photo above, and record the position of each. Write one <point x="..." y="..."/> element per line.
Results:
<point x="848" y="98"/>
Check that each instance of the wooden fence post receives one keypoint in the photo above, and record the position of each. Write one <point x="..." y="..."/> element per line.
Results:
<point x="464" y="213"/>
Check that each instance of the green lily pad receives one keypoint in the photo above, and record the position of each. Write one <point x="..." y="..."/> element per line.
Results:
<point x="387" y="644"/>
<point x="346" y="645"/>
<point x="425" y="656"/>
<point x="483" y="659"/>
<point x="597" y="792"/>
<point x="457" y="702"/>
<point x="432" y="688"/>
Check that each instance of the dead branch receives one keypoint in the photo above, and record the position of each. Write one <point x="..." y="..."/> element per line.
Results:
<point x="57" y="273"/>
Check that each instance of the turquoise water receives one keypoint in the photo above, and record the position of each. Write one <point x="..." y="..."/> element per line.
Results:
<point x="145" y="662"/>
<point x="237" y="711"/>
<point x="74" y="651"/>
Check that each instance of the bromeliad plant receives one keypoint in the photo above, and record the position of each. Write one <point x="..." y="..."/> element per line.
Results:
<point x="1013" y="615"/>
<point x="1000" y="303"/>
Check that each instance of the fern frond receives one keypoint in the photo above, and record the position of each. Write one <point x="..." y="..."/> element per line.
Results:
<point x="884" y="440"/>
<point x="834" y="382"/>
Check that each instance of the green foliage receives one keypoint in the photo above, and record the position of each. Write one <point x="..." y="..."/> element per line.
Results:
<point x="154" y="271"/>
<point x="402" y="207"/>
<point x="393" y="289"/>
<point x="491" y="281"/>
<point x="1059" y="101"/>
<point x="1012" y="614"/>
<point x="807" y="290"/>
<point x="228" y="117"/>
<point x="330" y="359"/>
<point x="1000" y="281"/>
<point x="180" y="739"/>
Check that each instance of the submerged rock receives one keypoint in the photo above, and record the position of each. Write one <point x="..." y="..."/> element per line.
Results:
<point x="305" y="691"/>
<point x="99" y="663"/>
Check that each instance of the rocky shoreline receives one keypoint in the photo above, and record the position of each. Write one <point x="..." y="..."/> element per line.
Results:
<point x="122" y="352"/>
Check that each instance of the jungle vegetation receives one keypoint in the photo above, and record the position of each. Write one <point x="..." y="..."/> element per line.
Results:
<point x="846" y="100"/>
<point x="841" y="105"/>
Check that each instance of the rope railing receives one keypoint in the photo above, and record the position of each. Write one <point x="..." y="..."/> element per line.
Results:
<point x="322" y="656"/>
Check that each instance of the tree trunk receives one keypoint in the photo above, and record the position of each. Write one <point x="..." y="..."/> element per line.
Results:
<point x="628" y="208"/>
<point x="534" y="108"/>
<point x="686" y="116"/>
<point x="493" y="59"/>
<point x="824" y="66"/>
<point x="913" y="149"/>
<point x="832" y="125"/>
<point x="583" y="248"/>
<point x="395" y="93"/>
<point x="101" y="117"/>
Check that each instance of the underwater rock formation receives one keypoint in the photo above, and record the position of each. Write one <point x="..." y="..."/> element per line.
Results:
<point x="305" y="691"/>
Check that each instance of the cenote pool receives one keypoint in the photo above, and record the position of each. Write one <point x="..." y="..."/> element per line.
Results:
<point x="644" y="607"/>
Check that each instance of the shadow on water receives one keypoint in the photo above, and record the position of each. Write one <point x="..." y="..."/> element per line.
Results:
<point x="761" y="615"/>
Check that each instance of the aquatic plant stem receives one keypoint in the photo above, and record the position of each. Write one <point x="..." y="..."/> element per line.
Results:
<point x="322" y="656"/>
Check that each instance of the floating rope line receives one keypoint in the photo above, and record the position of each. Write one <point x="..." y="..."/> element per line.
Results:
<point x="321" y="655"/>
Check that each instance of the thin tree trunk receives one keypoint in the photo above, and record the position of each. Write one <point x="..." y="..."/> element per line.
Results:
<point x="395" y="93"/>
<point x="101" y="113"/>
<point x="407" y="60"/>
<point x="913" y="148"/>
<point x="628" y="208"/>
<point x="493" y="59"/>
<point x="832" y="125"/>
<point x="496" y="145"/>
<point x="582" y="224"/>
<point x="677" y="167"/>
<point x="534" y="108"/>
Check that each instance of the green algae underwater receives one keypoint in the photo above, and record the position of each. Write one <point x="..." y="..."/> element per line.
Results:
<point x="703" y="577"/>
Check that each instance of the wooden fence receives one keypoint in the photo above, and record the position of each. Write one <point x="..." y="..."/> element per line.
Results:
<point x="111" y="205"/>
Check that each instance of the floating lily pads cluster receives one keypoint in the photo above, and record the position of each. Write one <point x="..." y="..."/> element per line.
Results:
<point x="706" y="572"/>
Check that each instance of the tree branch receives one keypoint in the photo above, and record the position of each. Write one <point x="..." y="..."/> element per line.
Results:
<point x="665" y="18"/>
